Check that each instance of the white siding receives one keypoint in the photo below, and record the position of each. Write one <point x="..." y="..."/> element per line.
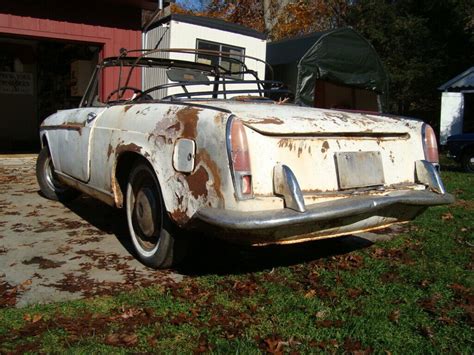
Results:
<point x="156" y="76"/>
<point x="185" y="35"/>
<point x="452" y="111"/>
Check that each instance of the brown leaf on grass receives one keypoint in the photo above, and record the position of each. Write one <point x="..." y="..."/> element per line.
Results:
<point x="25" y="284"/>
<point x="378" y="253"/>
<point x="348" y="262"/>
<point x="459" y="289"/>
<point x="310" y="294"/>
<point x="447" y="216"/>
<point x="355" y="347"/>
<point x="354" y="292"/>
<point x="203" y="345"/>
<point x="425" y="283"/>
<point x="430" y="305"/>
<point x="325" y="293"/>
<point x="32" y="318"/>
<point x="121" y="339"/>
<point x="394" y="316"/>
<point x="446" y="320"/>
<point x="427" y="332"/>
<point x="329" y="323"/>
<point x="274" y="346"/>
<point x="112" y="339"/>
<point x="320" y="314"/>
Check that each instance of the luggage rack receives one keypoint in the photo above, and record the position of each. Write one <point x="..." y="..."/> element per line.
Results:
<point x="219" y="82"/>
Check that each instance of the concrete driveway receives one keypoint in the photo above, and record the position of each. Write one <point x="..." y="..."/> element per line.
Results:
<point x="52" y="252"/>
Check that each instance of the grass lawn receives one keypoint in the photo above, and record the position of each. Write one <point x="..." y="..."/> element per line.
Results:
<point x="413" y="294"/>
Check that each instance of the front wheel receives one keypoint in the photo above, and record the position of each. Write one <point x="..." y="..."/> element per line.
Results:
<point x="49" y="185"/>
<point x="148" y="223"/>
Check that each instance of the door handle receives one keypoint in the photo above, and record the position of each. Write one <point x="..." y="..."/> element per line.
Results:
<point x="91" y="117"/>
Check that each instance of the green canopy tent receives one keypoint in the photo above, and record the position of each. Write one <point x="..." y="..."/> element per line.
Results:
<point x="338" y="68"/>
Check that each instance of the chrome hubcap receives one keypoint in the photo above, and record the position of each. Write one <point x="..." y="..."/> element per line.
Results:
<point x="145" y="207"/>
<point x="145" y="210"/>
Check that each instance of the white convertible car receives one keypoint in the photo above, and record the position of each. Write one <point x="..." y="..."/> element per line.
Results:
<point x="218" y="155"/>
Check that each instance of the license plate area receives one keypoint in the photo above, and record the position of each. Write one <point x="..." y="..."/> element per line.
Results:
<point x="359" y="169"/>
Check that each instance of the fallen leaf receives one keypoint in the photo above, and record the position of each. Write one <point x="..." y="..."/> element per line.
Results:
<point x="274" y="346"/>
<point x="321" y="314"/>
<point x="447" y="216"/>
<point x="446" y="320"/>
<point x="130" y="339"/>
<point x="112" y="339"/>
<point x="329" y="323"/>
<point x="427" y="332"/>
<point x="354" y="292"/>
<point x="424" y="283"/>
<point x="394" y="316"/>
<point x="25" y="284"/>
<point x="310" y="294"/>
<point x="121" y="339"/>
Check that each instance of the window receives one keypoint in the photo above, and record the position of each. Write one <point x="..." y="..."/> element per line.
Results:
<point x="230" y="60"/>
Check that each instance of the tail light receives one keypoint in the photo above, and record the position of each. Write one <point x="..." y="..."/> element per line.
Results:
<point x="430" y="144"/>
<point x="239" y="159"/>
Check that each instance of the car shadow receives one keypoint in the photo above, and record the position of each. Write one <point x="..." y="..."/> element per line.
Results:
<point x="207" y="255"/>
<point x="103" y="217"/>
<point x="213" y="256"/>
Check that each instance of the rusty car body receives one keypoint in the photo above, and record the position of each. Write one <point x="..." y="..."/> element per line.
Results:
<point x="233" y="162"/>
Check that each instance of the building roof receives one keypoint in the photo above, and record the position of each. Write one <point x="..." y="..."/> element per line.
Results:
<point x="292" y="49"/>
<point x="211" y="23"/>
<point x="464" y="81"/>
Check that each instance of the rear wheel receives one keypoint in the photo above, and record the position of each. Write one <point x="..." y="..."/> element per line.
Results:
<point x="468" y="161"/>
<point x="150" y="228"/>
<point x="49" y="185"/>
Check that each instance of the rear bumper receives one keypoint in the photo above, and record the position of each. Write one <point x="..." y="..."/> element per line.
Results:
<point x="321" y="220"/>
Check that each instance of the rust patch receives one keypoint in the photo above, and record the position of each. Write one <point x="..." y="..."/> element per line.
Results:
<point x="219" y="118"/>
<point x="109" y="151"/>
<point x="189" y="118"/>
<point x="179" y="217"/>
<point x="325" y="147"/>
<point x="117" y="191"/>
<point x="392" y="157"/>
<point x="176" y="127"/>
<point x="205" y="158"/>
<point x="67" y="126"/>
<point x="127" y="107"/>
<point x="131" y="147"/>
<point x="285" y="143"/>
<point x="197" y="182"/>
<point x="300" y="151"/>
<point x="268" y="120"/>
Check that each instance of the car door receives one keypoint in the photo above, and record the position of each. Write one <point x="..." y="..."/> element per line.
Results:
<point x="75" y="141"/>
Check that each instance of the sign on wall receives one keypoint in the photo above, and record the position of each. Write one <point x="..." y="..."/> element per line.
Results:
<point x="16" y="83"/>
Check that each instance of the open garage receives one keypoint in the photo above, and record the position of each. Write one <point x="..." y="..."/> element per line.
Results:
<point x="49" y="49"/>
